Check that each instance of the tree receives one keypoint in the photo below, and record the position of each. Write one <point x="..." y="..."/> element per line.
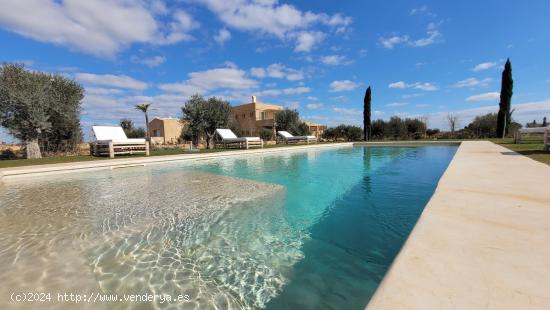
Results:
<point x="144" y="107"/>
<point x="367" y="115"/>
<point x="397" y="128"/>
<point x="205" y="116"/>
<point x="379" y="129"/>
<point x="432" y="132"/>
<point x="126" y="124"/>
<point x="39" y="108"/>
<point x="345" y="132"/>
<point x="289" y="120"/>
<point x="130" y="130"/>
<point x="64" y="115"/>
<point x="452" y="120"/>
<point x="506" y="92"/>
<point x="544" y="123"/>
<point x="483" y="126"/>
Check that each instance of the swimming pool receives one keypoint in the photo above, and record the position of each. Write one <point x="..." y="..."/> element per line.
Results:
<point x="307" y="229"/>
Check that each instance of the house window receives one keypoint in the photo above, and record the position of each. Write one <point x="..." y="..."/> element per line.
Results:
<point x="236" y="116"/>
<point x="244" y="115"/>
<point x="263" y="115"/>
<point x="252" y="114"/>
<point x="156" y="133"/>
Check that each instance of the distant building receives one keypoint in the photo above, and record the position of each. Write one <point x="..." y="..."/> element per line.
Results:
<point x="316" y="129"/>
<point x="254" y="116"/>
<point x="165" y="130"/>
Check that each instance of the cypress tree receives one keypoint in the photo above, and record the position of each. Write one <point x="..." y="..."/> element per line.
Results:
<point x="366" y="115"/>
<point x="504" y="112"/>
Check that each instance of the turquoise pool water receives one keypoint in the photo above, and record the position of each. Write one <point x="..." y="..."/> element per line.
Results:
<point x="312" y="229"/>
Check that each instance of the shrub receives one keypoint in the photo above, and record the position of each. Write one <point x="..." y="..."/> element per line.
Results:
<point x="266" y="134"/>
<point x="8" y="154"/>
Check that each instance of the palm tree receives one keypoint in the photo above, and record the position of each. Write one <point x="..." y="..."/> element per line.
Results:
<point x="143" y="108"/>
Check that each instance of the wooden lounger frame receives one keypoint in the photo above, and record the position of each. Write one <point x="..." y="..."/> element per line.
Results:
<point x="112" y="149"/>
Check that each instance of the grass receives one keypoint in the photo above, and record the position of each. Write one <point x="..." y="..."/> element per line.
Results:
<point x="532" y="148"/>
<point x="80" y="158"/>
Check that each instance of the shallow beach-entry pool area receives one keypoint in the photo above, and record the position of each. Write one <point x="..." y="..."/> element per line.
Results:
<point x="306" y="229"/>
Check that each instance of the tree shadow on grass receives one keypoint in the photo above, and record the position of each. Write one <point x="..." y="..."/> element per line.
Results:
<point x="527" y="152"/>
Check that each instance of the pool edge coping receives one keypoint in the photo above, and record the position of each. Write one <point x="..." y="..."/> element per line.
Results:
<point x="416" y="278"/>
<point x="22" y="172"/>
<point x="85" y="166"/>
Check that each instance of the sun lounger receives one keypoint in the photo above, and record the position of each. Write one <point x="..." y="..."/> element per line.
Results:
<point x="227" y="138"/>
<point x="534" y="130"/>
<point x="288" y="138"/>
<point x="111" y="140"/>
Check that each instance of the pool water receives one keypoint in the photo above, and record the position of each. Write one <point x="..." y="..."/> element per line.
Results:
<point x="300" y="230"/>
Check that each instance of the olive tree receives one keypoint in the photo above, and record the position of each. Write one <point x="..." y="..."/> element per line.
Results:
<point x="204" y="116"/>
<point x="289" y="120"/>
<point x="39" y="108"/>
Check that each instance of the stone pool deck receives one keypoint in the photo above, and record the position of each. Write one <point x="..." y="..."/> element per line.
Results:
<point x="483" y="240"/>
<point x="40" y="170"/>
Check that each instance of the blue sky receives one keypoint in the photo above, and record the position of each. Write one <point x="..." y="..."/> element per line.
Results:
<point x="422" y="58"/>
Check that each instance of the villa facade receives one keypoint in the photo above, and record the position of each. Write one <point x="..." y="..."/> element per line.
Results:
<point x="165" y="130"/>
<point x="316" y="129"/>
<point x="253" y="117"/>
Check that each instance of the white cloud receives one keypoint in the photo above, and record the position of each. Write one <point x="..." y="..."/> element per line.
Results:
<point x="277" y="71"/>
<point x="314" y="106"/>
<point x="347" y="111"/>
<point x="392" y="41"/>
<point x="484" y="66"/>
<point x="293" y="105"/>
<point x="432" y="36"/>
<point x="286" y="91"/>
<point x="399" y="85"/>
<point x="203" y="82"/>
<point x="103" y="91"/>
<point x="280" y="20"/>
<point x="306" y="40"/>
<point x="312" y="98"/>
<point x="422" y="105"/>
<point x="343" y="85"/>
<point x="407" y="96"/>
<point x="335" y="60"/>
<point x="422" y="9"/>
<point x="523" y="113"/>
<point x="426" y="86"/>
<point x="149" y="62"/>
<point x="222" y="36"/>
<point x="473" y="82"/>
<point x="484" y="97"/>
<point x="417" y="85"/>
<point x="396" y="104"/>
<point x="100" y="28"/>
<point x="111" y="80"/>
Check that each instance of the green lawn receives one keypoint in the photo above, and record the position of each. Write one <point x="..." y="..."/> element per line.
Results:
<point x="70" y="159"/>
<point x="532" y="148"/>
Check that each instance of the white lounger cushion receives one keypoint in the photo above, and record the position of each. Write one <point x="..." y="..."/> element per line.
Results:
<point x="288" y="136"/>
<point x="105" y="133"/>
<point x="228" y="136"/>
<point x="285" y="134"/>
